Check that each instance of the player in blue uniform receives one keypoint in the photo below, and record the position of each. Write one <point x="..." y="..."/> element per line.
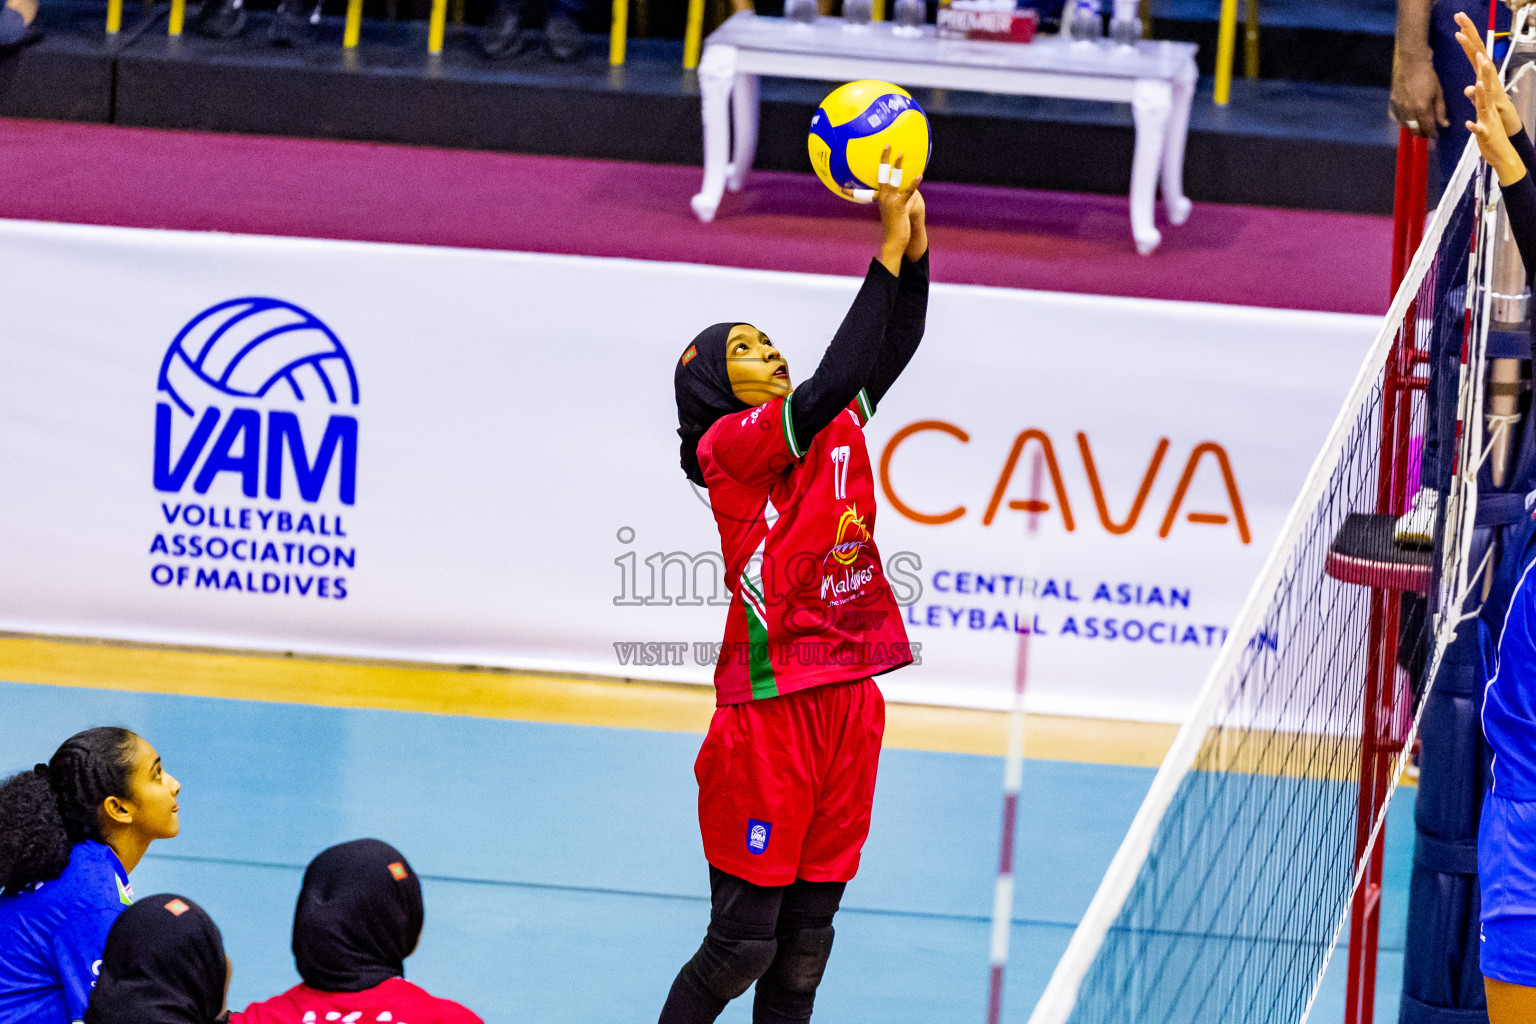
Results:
<point x="70" y="832"/>
<point x="1506" y="839"/>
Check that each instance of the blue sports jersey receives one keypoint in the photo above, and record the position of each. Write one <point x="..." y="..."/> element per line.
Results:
<point x="1506" y="838"/>
<point x="52" y="935"/>
<point x="1509" y="700"/>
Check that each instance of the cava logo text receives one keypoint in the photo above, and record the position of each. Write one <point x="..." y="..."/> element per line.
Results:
<point x="257" y="401"/>
<point x="1207" y="457"/>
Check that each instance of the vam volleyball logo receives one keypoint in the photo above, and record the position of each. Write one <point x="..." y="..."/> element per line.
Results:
<point x="757" y="836"/>
<point x="257" y="402"/>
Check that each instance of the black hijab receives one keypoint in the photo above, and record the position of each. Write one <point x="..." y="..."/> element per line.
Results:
<point x="164" y="964"/>
<point x="358" y="918"/>
<point x="703" y="386"/>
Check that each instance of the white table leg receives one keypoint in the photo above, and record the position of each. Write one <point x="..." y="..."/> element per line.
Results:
<point x="1151" y="103"/>
<point x="1173" y="157"/>
<point x="744" y="116"/>
<point x="717" y="74"/>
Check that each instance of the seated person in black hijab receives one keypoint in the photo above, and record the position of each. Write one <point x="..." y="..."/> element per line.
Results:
<point x="359" y="917"/>
<point x="164" y="963"/>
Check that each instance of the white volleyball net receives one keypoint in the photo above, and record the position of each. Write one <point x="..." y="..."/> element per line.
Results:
<point x="1235" y="882"/>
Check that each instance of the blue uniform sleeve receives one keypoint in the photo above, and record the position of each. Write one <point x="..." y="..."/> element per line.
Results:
<point x="77" y="949"/>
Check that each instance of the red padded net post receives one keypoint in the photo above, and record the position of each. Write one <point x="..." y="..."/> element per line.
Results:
<point x="1380" y="739"/>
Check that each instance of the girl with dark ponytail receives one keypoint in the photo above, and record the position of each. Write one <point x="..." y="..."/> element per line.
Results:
<point x="70" y="832"/>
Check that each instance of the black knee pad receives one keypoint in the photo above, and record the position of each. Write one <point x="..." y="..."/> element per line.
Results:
<point x="727" y="967"/>
<point x="801" y="960"/>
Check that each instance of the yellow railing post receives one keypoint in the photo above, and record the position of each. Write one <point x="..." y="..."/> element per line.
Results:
<point x="619" y="33"/>
<point x="436" y="26"/>
<point x="1251" y="41"/>
<point x="693" y="38"/>
<point x="1226" y="42"/>
<point x="114" y="16"/>
<point x="878" y="13"/>
<point x="354" y="27"/>
<point x="178" y="17"/>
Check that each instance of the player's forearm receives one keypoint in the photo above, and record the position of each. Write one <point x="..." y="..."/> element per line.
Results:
<point x="849" y="359"/>
<point x="1413" y="30"/>
<point x="1509" y="162"/>
<point x="917" y="245"/>
<point x="1520" y="207"/>
<point x="1520" y="198"/>
<point x="1520" y="142"/>
<point x="905" y="331"/>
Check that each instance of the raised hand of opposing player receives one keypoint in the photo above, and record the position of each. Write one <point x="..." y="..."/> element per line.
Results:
<point x="1472" y="45"/>
<point x="1492" y="140"/>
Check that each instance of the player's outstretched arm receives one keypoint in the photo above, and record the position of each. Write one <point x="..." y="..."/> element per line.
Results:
<point x="1503" y="143"/>
<point x="910" y="316"/>
<point x="1472" y="45"/>
<point x="917" y="217"/>
<point x="850" y="359"/>
<point x="1496" y="120"/>
<point x="895" y="198"/>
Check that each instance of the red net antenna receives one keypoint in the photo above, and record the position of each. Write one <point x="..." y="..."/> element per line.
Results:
<point x="1013" y="777"/>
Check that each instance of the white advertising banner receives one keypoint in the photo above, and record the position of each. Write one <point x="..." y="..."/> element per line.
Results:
<point x="470" y="457"/>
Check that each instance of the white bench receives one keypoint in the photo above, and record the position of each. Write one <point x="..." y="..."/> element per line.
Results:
<point x="1156" y="78"/>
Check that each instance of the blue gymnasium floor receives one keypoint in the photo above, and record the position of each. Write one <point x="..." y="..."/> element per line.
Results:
<point x="564" y="879"/>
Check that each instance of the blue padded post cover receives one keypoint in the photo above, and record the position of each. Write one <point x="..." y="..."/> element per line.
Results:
<point x="1441" y="980"/>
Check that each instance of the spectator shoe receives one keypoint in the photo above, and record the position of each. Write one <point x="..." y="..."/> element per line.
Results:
<point x="31" y="35"/>
<point x="502" y="35"/>
<point x="221" y="19"/>
<point x="563" y="36"/>
<point x="295" y="22"/>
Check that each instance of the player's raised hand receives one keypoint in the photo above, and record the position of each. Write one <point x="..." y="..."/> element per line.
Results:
<point x="917" y="215"/>
<point x="894" y="197"/>
<point x="1492" y="140"/>
<point x="1472" y="45"/>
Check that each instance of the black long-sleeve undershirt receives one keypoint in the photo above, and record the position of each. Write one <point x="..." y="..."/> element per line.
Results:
<point x="1520" y="204"/>
<point x="874" y="343"/>
<point x="904" y="331"/>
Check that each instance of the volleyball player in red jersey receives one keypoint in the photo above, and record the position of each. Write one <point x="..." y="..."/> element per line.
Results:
<point x="787" y="772"/>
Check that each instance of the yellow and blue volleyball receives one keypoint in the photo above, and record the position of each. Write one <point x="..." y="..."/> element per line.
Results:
<point x="853" y="126"/>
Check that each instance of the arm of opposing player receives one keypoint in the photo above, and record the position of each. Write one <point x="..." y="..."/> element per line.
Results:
<point x="904" y="333"/>
<point x="1520" y="207"/>
<point x="1507" y="150"/>
<point x="1520" y="204"/>
<point x="846" y="367"/>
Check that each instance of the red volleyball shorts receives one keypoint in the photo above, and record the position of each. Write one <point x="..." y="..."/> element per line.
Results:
<point x="786" y="784"/>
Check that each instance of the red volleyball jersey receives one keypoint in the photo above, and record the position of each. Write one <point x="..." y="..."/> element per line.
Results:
<point x="395" y="1001"/>
<point x="811" y="604"/>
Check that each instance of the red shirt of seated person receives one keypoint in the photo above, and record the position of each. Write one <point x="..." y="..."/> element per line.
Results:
<point x="394" y="999"/>
<point x="359" y="917"/>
